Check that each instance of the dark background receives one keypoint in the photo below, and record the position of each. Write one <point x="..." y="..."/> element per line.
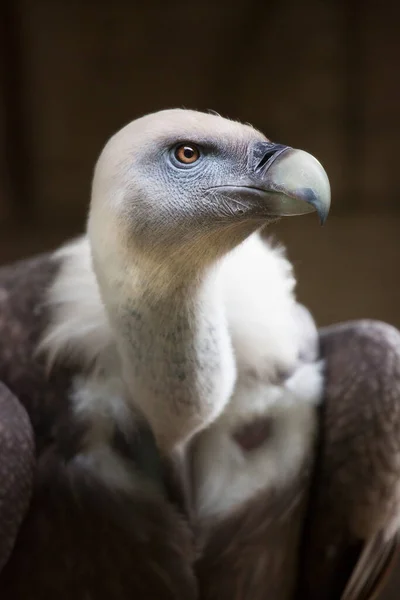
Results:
<point x="319" y="75"/>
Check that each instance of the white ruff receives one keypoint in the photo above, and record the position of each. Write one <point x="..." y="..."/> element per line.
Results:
<point x="257" y="282"/>
<point x="224" y="476"/>
<point x="257" y="285"/>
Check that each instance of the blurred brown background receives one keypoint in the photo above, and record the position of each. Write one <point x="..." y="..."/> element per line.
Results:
<point x="319" y="75"/>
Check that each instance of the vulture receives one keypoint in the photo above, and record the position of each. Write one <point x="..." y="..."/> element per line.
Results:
<point x="173" y="425"/>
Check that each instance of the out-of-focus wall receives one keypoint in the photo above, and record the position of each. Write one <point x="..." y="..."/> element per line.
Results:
<point x="320" y="75"/>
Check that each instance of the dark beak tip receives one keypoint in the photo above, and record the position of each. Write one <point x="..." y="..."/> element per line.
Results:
<point x="323" y="213"/>
<point x="322" y="216"/>
<point x="309" y="196"/>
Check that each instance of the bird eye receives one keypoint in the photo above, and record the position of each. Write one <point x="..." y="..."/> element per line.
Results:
<point x="187" y="154"/>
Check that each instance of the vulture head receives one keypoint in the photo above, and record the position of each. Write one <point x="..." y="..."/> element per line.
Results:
<point x="173" y="193"/>
<point x="183" y="188"/>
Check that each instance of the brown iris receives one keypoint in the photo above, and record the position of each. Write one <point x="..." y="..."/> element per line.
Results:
<point x="187" y="154"/>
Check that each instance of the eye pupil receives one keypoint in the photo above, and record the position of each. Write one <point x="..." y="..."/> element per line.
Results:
<point x="187" y="154"/>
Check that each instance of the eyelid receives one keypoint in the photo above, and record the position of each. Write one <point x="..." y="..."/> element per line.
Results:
<point x="205" y="146"/>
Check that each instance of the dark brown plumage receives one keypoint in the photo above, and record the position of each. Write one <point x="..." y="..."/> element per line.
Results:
<point x="23" y="317"/>
<point x="79" y="539"/>
<point x="354" y="510"/>
<point x="16" y="469"/>
<point x="254" y="552"/>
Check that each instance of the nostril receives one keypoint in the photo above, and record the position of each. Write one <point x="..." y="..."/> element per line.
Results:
<point x="266" y="152"/>
<point x="265" y="159"/>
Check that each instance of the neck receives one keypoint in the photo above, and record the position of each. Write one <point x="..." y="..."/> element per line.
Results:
<point x="175" y="351"/>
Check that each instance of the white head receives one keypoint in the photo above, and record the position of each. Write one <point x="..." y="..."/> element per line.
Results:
<point x="177" y="189"/>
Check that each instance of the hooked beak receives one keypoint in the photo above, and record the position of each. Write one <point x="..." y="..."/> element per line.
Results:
<point x="282" y="181"/>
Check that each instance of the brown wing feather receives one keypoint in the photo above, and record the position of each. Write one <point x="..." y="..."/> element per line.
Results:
<point x="353" y="516"/>
<point x="17" y="457"/>
<point x="80" y="539"/>
<point x="252" y="553"/>
<point x="83" y="540"/>
<point x="372" y="569"/>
